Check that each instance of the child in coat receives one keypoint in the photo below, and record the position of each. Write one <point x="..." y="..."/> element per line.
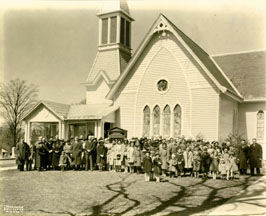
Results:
<point x="157" y="163"/>
<point x="180" y="162"/>
<point x="172" y="166"/>
<point x="224" y="164"/>
<point x="147" y="166"/>
<point x="233" y="168"/>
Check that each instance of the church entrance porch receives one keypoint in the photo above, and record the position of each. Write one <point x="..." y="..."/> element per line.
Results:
<point x="44" y="129"/>
<point x="84" y="128"/>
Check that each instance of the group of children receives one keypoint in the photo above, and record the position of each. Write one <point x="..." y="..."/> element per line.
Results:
<point x="172" y="158"/>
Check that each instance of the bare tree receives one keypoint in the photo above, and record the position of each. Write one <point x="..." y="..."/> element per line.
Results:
<point x="16" y="98"/>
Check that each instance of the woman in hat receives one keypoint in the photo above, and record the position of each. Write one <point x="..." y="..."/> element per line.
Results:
<point x="77" y="150"/>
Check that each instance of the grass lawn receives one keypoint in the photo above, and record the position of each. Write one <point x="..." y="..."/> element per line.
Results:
<point x="108" y="193"/>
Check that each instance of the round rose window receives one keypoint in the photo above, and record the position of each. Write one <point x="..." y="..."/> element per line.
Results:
<point x="162" y="85"/>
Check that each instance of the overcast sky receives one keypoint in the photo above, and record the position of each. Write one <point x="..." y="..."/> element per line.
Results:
<point x="53" y="43"/>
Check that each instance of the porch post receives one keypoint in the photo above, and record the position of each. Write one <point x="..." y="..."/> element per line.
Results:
<point x="63" y="130"/>
<point x="60" y="130"/>
<point x="26" y="132"/>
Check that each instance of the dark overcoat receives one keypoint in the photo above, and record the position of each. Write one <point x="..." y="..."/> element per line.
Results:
<point x="23" y="151"/>
<point x="243" y="157"/>
<point x="101" y="154"/>
<point x="76" y="152"/>
<point x="56" y="153"/>
<point x="157" y="166"/>
<point x="40" y="155"/>
<point x="255" y="155"/>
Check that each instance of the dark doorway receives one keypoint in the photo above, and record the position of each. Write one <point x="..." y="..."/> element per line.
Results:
<point x="107" y="127"/>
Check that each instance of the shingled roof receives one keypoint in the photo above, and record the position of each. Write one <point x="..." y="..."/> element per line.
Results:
<point x="247" y="70"/>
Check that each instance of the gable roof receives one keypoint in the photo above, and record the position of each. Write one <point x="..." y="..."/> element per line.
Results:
<point x="247" y="70"/>
<point x="58" y="109"/>
<point x="206" y="62"/>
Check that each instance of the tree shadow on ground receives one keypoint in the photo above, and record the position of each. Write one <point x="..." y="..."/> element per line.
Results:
<point x="121" y="191"/>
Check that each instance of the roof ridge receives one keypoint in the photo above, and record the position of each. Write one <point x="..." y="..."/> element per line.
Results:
<point x="48" y="101"/>
<point x="239" y="53"/>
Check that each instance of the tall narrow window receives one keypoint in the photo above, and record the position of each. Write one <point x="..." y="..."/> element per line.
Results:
<point x="166" y="121"/>
<point x="260" y="125"/>
<point x="177" y="121"/>
<point x="127" y="33"/>
<point x="104" y="30"/>
<point x="146" y="121"/>
<point x="113" y="29"/>
<point x="156" y="120"/>
<point x="122" y="31"/>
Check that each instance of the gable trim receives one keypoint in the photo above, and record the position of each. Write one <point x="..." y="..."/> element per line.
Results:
<point x="47" y="107"/>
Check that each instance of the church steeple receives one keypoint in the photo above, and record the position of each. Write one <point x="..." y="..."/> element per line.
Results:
<point x="115" y="26"/>
<point x="114" y="50"/>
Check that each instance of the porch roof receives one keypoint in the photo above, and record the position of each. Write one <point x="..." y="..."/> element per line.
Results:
<point x="92" y="111"/>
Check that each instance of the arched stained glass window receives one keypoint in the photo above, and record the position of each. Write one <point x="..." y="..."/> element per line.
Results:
<point x="260" y="125"/>
<point x="177" y="121"/>
<point x="166" y="121"/>
<point x="146" y="121"/>
<point x="156" y="120"/>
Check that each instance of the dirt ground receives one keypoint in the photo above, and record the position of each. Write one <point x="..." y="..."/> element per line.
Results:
<point x="109" y="193"/>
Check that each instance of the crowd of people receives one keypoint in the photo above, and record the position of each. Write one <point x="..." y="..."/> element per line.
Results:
<point x="157" y="158"/>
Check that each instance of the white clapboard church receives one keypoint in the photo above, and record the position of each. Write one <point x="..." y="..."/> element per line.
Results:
<point x="169" y="86"/>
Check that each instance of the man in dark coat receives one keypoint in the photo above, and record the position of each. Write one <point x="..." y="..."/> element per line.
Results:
<point x="89" y="151"/>
<point x="40" y="154"/>
<point x="56" y="152"/>
<point x="49" y="147"/>
<point x="255" y="157"/>
<point x="23" y="152"/>
<point x="243" y="157"/>
<point x="76" y="152"/>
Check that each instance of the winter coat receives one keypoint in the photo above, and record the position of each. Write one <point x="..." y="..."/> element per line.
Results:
<point x="137" y="157"/>
<point x="243" y="157"/>
<point x="157" y="166"/>
<point x="255" y="155"/>
<point x="205" y="162"/>
<point x="130" y="155"/>
<point x="147" y="164"/>
<point x="76" y="151"/>
<point x="163" y="156"/>
<point x="101" y="154"/>
<point x="188" y="159"/>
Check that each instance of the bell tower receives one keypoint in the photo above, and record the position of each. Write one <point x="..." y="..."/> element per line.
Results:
<point x="114" y="49"/>
<point x="115" y="26"/>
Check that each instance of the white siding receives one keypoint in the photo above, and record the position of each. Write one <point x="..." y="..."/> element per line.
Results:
<point x="165" y="58"/>
<point x="226" y="116"/>
<point x="204" y="113"/>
